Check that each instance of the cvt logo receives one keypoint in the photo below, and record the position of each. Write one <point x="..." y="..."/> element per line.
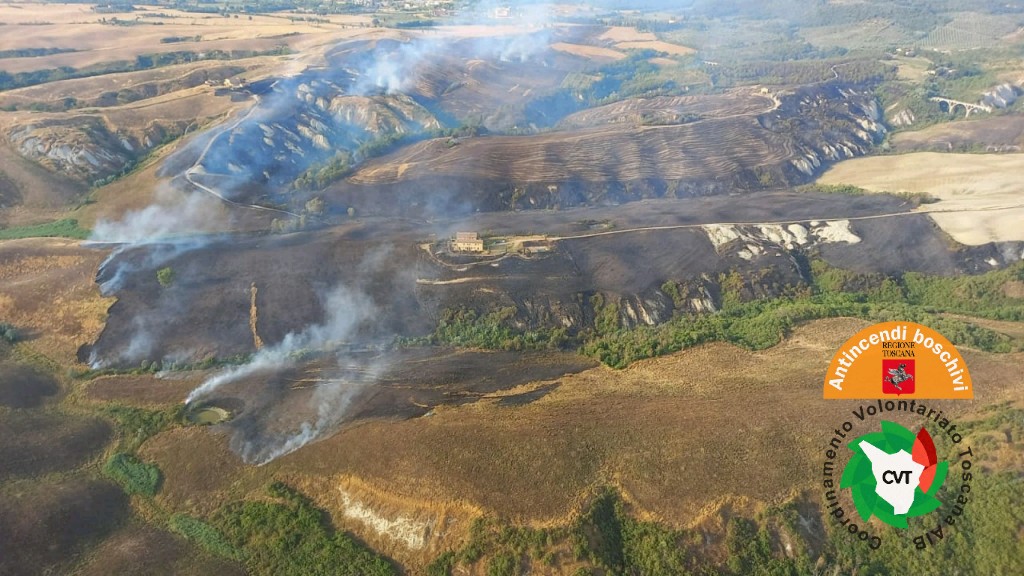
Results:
<point x="894" y="475"/>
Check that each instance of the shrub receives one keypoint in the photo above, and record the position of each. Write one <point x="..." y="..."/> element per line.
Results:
<point x="294" y="537"/>
<point x="165" y="276"/>
<point x="442" y="565"/>
<point x="205" y="536"/>
<point x="9" y="332"/>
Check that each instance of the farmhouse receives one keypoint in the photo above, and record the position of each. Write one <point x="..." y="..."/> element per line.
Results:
<point x="467" y="242"/>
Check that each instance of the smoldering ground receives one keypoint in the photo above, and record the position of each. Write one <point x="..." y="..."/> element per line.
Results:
<point x="256" y="437"/>
<point x="260" y="147"/>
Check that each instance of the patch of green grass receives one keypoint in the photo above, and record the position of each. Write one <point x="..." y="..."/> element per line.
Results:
<point x="205" y="536"/>
<point x="134" y="475"/>
<point x="66" y="228"/>
<point x="138" y="424"/>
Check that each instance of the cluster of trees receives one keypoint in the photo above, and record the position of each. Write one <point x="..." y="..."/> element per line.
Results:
<point x="800" y="72"/>
<point x="321" y="7"/>
<point x="176" y="39"/>
<point x="165" y="276"/>
<point x="606" y="539"/>
<point x="761" y="322"/>
<point x="33" y="52"/>
<point x="320" y="175"/>
<point x="631" y="76"/>
<point x="493" y="330"/>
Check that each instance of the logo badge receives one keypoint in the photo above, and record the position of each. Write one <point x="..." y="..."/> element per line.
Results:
<point x="915" y="361"/>
<point x="898" y="377"/>
<point x="894" y="475"/>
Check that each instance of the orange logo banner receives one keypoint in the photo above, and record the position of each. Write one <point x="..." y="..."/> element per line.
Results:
<point x="898" y="360"/>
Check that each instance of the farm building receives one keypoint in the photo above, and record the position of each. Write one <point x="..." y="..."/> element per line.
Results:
<point x="467" y="242"/>
<point x="536" y="246"/>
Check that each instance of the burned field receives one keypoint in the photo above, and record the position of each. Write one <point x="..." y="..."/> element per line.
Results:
<point x="210" y="310"/>
<point x="277" y="409"/>
<point x="45" y="524"/>
<point x="40" y="442"/>
<point x="272" y="325"/>
<point x="24" y="386"/>
<point x="315" y="331"/>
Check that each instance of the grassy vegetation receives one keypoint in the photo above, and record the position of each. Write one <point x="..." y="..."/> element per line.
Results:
<point x="205" y="536"/>
<point x="137" y="424"/>
<point x="607" y="539"/>
<point x="147" y="367"/>
<point x="291" y="536"/>
<point x="66" y="228"/>
<point x="134" y="475"/>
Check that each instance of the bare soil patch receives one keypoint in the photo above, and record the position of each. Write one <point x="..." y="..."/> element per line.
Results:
<point x="590" y="52"/>
<point x="627" y="34"/>
<point x="979" y="194"/>
<point x="658" y="45"/>
<point x="1001" y="134"/>
<point x="143" y="390"/>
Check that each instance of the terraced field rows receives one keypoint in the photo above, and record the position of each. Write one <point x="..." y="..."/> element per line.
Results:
<point x="708" y="149"/>
<point x="634" y="110"/>
<point x="970" y="30"/>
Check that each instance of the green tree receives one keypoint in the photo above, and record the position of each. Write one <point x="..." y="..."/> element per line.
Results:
<point x="165" y="276"/>
<point x="315" y="206"/>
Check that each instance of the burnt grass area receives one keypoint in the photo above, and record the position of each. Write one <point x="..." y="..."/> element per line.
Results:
<point x="405" y="383"/>
<point x="25" y="387"/>
<point x="37" y="442"/>
<point x="206" y="312"/>
<point x="44" y="525"/>
<point x="138" y="548"/>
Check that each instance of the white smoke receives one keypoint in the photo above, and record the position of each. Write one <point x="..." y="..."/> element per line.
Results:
<point x="396" y="70"/>
<point x="173" y="214"/>
<point x="174" y="224"/>
<point x="347" y="310"/>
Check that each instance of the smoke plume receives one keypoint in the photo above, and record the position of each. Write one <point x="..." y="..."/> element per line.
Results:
<point x="347" y="310"/>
